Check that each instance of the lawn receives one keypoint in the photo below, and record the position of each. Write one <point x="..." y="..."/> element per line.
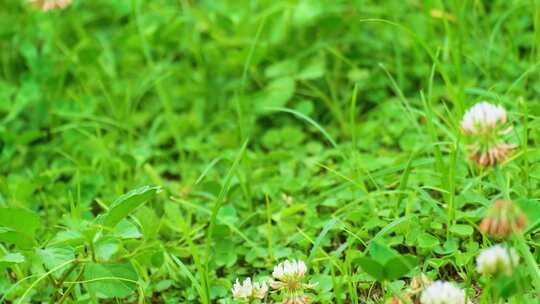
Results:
<point x="270" y="151"/>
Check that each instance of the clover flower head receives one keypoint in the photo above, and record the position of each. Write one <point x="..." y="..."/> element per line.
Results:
<point x="441" y="292"/>
<point x="483" y="117"/>
<point x="490" y="156"/>
<point x="395" y="300"/>
<point x="503" y="219"/>
<point x="48" y="5"/>
<point x="419" y="283"/>
<point x="484" y="125"/>
<point x="289" y="277"/>
<point x="248" y="290"/>
<point x="242" y="291"/>
<point x="260" y="290"/>
<point x="497" y="259"/>
<point x="290" y="270"/>
<point x="301" y="299"/>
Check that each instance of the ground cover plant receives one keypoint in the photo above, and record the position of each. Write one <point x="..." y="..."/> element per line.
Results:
<point x="295" y="151"/>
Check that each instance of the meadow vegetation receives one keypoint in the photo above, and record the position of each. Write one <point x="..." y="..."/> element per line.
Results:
<point x="291" y="151"/>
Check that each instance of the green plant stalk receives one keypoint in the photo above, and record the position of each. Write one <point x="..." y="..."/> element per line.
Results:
<point x="534" y="270"/>
<point x="353" y="293"/>
<point x="330" y="104"/>
<point x="41" y="278"/>
<point x="456" y="34"/>
<point x="203" y="291"/>
<point x="431" y="128"/>
<point x="451" y="188"/>
<point x="524" y="144"/>
<point x="337" y="287"/>
<point x="352" y="117"/>
<point x="487" y="292"/>
<point x="92" y="250"/>
<point x="217" y="205"/>
<point x="67" y="273"/>
<point x="519" y="285"/>
<point x="500" y="181"/>
<point x="269" y="228"/>
<point x="60" y="282"/>
<point x="238" y="105"/>
<point x="536" y="24"/>
<point x="70" y="288"/>
<point x="354" y="137"/>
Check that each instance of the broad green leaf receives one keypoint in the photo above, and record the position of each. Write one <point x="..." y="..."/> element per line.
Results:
<point x="307" y="11"/>
<point x="127" y="203"/>
<point x="532" y="209"/>
<point x="372" y="267"/>
<point x="111" y="280"/>
<point x="157" y="258"/>
<point x="506" y="286"/>
<point x="277" y="93"/>
<point x="127" y="230"/>
<point x="10" y="259"/>
<point x="399" y="266"/>
<point x="163" y="285"/>
<point x="324" y="282"/>
<point x="106" y="247"/>
<point x="20" y="220"/>
<point x="290" y="211"/>
<point x="449" y="247"/>
<point x="461" y="230"/>
<point x="381" y="252"/>
<point x="283" y="68"/>
<point x="148" y="221"/>
<point x="67" y="237"/>
<point x="227" y="214"/>
<point x="225" y="253"/>
<point x="314" y="69"/>
<point x="16" y="238"/>
<point x="53" y="257"/>
<point x="426" y="240"/>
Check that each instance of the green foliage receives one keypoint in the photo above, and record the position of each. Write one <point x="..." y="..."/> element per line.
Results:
<point x="386" y="264"/>
<point x="126" y="203"/>
<point x="326" y="131"/>
<point x="111" y="280"/>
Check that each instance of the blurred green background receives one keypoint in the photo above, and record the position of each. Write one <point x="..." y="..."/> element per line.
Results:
<point x="106" y="96"/>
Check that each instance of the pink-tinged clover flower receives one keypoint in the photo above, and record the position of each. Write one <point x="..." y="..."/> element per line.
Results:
<point x="484" y="125"/>
<point x="503" y="219"/>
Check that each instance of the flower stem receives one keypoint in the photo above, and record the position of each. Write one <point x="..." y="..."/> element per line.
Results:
<point x="487" y="292"/>
<point x="534" y="270"/>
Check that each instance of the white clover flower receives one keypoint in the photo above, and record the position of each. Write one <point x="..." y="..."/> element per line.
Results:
<point x="48" y="5"/>
<point x="248" y="290"/>
<point x="441" y="292"/>
<point x="290" y="270"/>
<point x="483" y="117"/>
<point x="495" y="259"/>
<point x="259" y="290"/>
<point x="289" y="277"/>
<point x="484" y="127"/>
<point x="242" y="291"/>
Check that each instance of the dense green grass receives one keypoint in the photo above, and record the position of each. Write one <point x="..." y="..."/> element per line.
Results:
<point x="275" y="129"/>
